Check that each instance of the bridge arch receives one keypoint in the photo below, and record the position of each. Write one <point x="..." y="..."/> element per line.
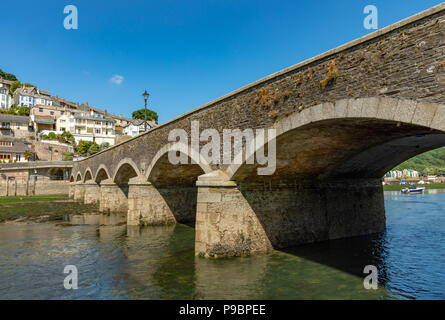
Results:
<point x="102" y="173"/>
<point x="72" y="178"/>
<point x="88" y="175"/>
<point x="351" y="138"/>
<point x="125" y="170"/>
<point x="79" y="177"/>
<point x="160" y="166"/>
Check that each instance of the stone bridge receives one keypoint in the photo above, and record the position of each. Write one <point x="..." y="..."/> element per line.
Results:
<point x="342" y="119"/>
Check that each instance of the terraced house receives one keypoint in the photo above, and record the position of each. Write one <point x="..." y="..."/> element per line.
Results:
<point x="14" y="126"/>
<point x="13" y="150"/>
<point x="32" y="96"/>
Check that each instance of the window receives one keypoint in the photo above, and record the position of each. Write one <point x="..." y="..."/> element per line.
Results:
<point x="40" y="109"/>
<point x="51" y="113"/>
<point x="18" y="157"/>
<point x="97" y="130"/>
<point x="62" y="113"/>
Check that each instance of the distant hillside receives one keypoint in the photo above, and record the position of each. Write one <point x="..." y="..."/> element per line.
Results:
<point x="431" y="162"/>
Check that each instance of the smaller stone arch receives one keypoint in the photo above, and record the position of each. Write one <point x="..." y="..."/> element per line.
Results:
<point x="72" y="178"/>
<point x="205" y="167"/>
<point x="88" y="175"/>
<point x="102" y="173"/>
<point x="79" y="177"/>
<point x="125" y="170"/>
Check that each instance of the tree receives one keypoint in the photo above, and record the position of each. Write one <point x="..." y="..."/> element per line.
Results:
<point x="94" y="148"/>
<point x="83" y="146"/>
<point x="140" y="114"/>
<point x="51" y="135"/>
<point x="29" y="154"/>
<point x="7" y="76"/>
<point x="68" y="137"/>
<point x="14" y="85"/>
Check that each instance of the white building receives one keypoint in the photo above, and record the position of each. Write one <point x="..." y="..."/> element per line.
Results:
<point x="32" y="96"/>
<point x="5" y="99"/>
<point x="136" y="127"/>
<point x="87" y="127"/>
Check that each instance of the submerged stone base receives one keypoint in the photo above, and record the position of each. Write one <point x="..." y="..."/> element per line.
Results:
<point x="92" y="192"/>
<point x="150" y="205"/>
<point x="235" y="220"/>
<point x="79" y="191"/>
<point x="113" y="197"/>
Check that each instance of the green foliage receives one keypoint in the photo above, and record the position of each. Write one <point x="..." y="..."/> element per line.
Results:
<point x="17" y="111"/>
<point x="431" y="162"/>
<point x="14" y="85"/>
<point x="51" y="135"/>
<point x="140" y="114"/>
<point x="7" y="76"/>
<point x="94" y="148"/>
<point x="29" y="155"/>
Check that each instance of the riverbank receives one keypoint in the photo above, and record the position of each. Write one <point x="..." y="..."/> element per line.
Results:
<point x="36" y="207"/>
<point x="397" y="187"/>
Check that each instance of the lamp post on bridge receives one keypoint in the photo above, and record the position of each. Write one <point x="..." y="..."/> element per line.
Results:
<point x="145" y="95"/>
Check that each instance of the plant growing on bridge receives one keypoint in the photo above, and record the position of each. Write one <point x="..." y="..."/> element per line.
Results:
<point x="263" y="97"/>
<point x="331" y="76"/>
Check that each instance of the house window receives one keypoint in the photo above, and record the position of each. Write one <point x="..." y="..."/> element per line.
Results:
<point x="40" y="109"/>
<point x="97" y="130"/>
<point x="18" y="157"/>
<point x="51" y="113"/>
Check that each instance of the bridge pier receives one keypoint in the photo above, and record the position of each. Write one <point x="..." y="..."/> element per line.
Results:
<point x="79" y="191"/>
<point x="225" y="223"/>
<point x="113" y="197"/>
<point x="146" y="206"/>
<point x="92" y="192"/>
<point x="71" y="190"/>
<point x="254" y="217"/>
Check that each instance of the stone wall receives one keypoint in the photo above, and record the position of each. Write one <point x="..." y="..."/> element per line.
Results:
<point x="31" y="188"/>
<point x="43" y="153"/>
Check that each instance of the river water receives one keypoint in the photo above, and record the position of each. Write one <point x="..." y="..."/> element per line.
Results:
<point x="120" y="262"/>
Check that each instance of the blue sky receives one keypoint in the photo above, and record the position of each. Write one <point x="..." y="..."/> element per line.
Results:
<point x="185" y="53"/>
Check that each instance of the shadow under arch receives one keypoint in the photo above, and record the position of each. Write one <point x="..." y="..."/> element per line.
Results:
<point x="125" y="170"/>
<point x="176" y="184"/>
<point x="72" y="178"/>
<point x="79" y="177"/>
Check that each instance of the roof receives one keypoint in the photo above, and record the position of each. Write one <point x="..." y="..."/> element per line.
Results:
<point x="18" y="146"/>
<point x="8" y="117"/>
<point x="43" y="121"/>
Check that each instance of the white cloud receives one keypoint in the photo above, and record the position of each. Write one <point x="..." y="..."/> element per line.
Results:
<point x="117" y="79"/>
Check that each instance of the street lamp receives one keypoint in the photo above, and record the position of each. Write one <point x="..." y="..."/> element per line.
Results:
<point x="145" y="95"/>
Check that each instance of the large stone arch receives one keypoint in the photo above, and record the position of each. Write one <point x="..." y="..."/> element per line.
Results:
<point x="102" y="174"/>
<point x="351" y="138"/>
<point x="125" y="170"/>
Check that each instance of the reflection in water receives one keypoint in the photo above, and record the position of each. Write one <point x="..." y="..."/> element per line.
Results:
<point x="116" y="261"/>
